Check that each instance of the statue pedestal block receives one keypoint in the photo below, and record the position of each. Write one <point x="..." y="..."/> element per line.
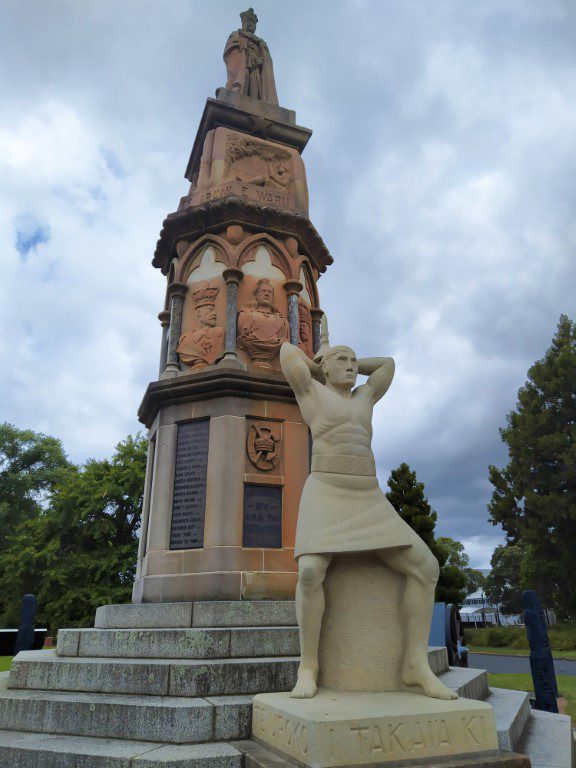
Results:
<point x="350" y="728"/>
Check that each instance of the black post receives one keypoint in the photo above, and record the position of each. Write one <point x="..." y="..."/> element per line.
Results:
<point x="541" y="661"/>
<point x="25" y="637"/>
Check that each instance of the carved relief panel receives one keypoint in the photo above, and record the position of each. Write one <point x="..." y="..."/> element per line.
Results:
<point x="204" y="319"/>
<point x="263" y="445"/>
<point x="265" y="172"/>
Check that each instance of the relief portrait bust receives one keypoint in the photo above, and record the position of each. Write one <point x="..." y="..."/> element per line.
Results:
<point x="262" y="329"/>
<point x="203" y="346"/>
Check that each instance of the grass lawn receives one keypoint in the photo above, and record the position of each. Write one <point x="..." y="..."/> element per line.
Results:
<point x="518" y="652"/>
<point x="523" y="682"/>
<point x="5" y="662"/>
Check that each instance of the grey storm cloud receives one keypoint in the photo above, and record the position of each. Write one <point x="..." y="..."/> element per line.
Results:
<point x="441" y="175"/>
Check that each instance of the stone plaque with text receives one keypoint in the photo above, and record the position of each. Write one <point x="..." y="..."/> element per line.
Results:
<point x="189" y="503"/>
<point x="262" y="516"/>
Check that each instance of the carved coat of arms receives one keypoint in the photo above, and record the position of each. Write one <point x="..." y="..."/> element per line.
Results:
<point x="263" y="444"/>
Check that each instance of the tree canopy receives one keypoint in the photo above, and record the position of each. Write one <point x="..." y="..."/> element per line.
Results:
<point x="534" y="496"/>
<point x="406" y="495"/>
<point x="30" y="465"/>
<point x="78" y="550"/>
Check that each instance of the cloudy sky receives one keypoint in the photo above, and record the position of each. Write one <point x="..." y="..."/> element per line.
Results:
<point x="442" y="178"/>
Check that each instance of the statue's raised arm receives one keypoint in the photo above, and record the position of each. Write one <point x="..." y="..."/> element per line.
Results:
<point x="380" y="372"/>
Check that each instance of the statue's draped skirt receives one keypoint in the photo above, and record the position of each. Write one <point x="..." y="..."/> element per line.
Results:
<point x="347" y="513"/>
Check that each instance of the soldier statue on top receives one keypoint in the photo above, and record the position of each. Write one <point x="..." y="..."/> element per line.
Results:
<point x="248" y="62"/>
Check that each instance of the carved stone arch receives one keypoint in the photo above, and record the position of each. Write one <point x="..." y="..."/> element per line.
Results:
<point x="278" y="255"/>
<point x="193" y="256"/>
<point x="309" y="283"/>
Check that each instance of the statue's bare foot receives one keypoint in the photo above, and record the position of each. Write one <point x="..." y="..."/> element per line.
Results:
<point x="422" y="676"/>
<point x="305" y="687"/>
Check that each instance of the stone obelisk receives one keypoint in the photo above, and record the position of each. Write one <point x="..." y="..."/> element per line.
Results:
<point x="229" y="451"/>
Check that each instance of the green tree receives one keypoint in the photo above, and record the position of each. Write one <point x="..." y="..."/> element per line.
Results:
<point x="30" y="464"/>
<point x="534" y="497"/>
<point x="80" y="552"/>
<point x="503" y="585"/>
<point x="456" y="555"/>
<point x="406" y="495"/>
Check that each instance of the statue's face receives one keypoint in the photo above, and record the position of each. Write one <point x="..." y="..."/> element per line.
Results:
<point x="304" y="331"/>
<point x="249" y="24"/>
<point x="341" y="369"/>
<point x="207" y="315"/>
<point x="265" y="295"/>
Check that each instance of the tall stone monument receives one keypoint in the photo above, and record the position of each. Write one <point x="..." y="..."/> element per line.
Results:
<point x="229" y="451"/>
<point x="169" y="679"/>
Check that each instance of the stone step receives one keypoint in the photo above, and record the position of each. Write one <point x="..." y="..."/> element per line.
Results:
<point x="40" y="750"/>
<point x="44" y="670"/>
<point x="468" y="683"/>
<point x="218" y="613"/>
<point x="177" y="720"/>
<point x="438" y="659"/>
<point x="512" y="711"/>
<point x="209" y="643"/>
<point x="548" y="740"/>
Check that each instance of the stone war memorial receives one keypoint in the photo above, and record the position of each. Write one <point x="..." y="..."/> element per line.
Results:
<point x="281" y="607"/>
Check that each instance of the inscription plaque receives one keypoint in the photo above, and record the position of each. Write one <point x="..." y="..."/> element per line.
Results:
<point x="189" y="503"/>
<point x="262" y="516"/>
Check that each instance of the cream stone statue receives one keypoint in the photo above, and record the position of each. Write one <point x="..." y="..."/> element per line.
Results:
<point x="343" y="509"/>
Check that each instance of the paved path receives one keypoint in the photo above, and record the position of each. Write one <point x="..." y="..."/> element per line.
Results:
<point x="497" y="664"/>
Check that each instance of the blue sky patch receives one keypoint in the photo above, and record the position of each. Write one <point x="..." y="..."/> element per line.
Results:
<point x="29" y="236"/>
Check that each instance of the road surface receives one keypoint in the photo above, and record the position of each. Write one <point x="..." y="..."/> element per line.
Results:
<point x="498" y="664"/>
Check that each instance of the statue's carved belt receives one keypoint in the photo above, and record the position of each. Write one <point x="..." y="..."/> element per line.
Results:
<point x="344" y="465"/>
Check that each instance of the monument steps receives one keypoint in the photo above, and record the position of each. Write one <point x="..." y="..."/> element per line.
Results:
<point x="76" y="707"/>
<point x="210" y="613"/>
<point x="33" y="750"/>
<point x="468" y="683"/>
<point x="548" y="740"/>
<point x="205" y="643"/>
<point x="177" y="720"/>
<point x="45" y="670"/>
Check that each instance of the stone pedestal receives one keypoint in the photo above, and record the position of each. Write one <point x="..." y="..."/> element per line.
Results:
<point x="342" y="728"/>
<point x="362" y="638"/>
<point x="229" y="451"/>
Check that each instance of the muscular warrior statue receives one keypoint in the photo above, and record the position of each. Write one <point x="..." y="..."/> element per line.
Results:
<point x="343" y="509"/>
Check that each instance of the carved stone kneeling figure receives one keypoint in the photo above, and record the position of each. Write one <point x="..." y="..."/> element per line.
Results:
<point x="343" y="509"/>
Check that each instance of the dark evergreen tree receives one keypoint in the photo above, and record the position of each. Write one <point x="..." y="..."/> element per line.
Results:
<point x="406" y="495"/>
<point x="534" y="497"/>
<point x="504" y="583"/>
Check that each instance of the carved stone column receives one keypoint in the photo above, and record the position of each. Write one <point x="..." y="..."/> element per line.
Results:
<point x="316" y="313"/>
<point x="293" y="288"/>
<point x="176" y="292"/>
<point x="164" y="318"/>
<point x="232" y="277"/>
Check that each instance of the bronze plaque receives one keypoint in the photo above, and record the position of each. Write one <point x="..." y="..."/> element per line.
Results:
<point x="262" y="516"/>
<point x="189" y="503"/>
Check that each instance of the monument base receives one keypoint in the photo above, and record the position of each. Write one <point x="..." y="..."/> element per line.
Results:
<point x="351" y="728"/>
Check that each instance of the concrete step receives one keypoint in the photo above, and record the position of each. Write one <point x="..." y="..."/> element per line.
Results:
<point x="221" y="613"/>
<point x="548" y="740"/>
<point x="44" y="670"/>
<point x="438" y="659"/>
<point x="40" y="750"/>
<point x="512" y="711"/>
<point x="468" y="683"/>
<point x="176" y="720"/>
<point x="209" y="643"/>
